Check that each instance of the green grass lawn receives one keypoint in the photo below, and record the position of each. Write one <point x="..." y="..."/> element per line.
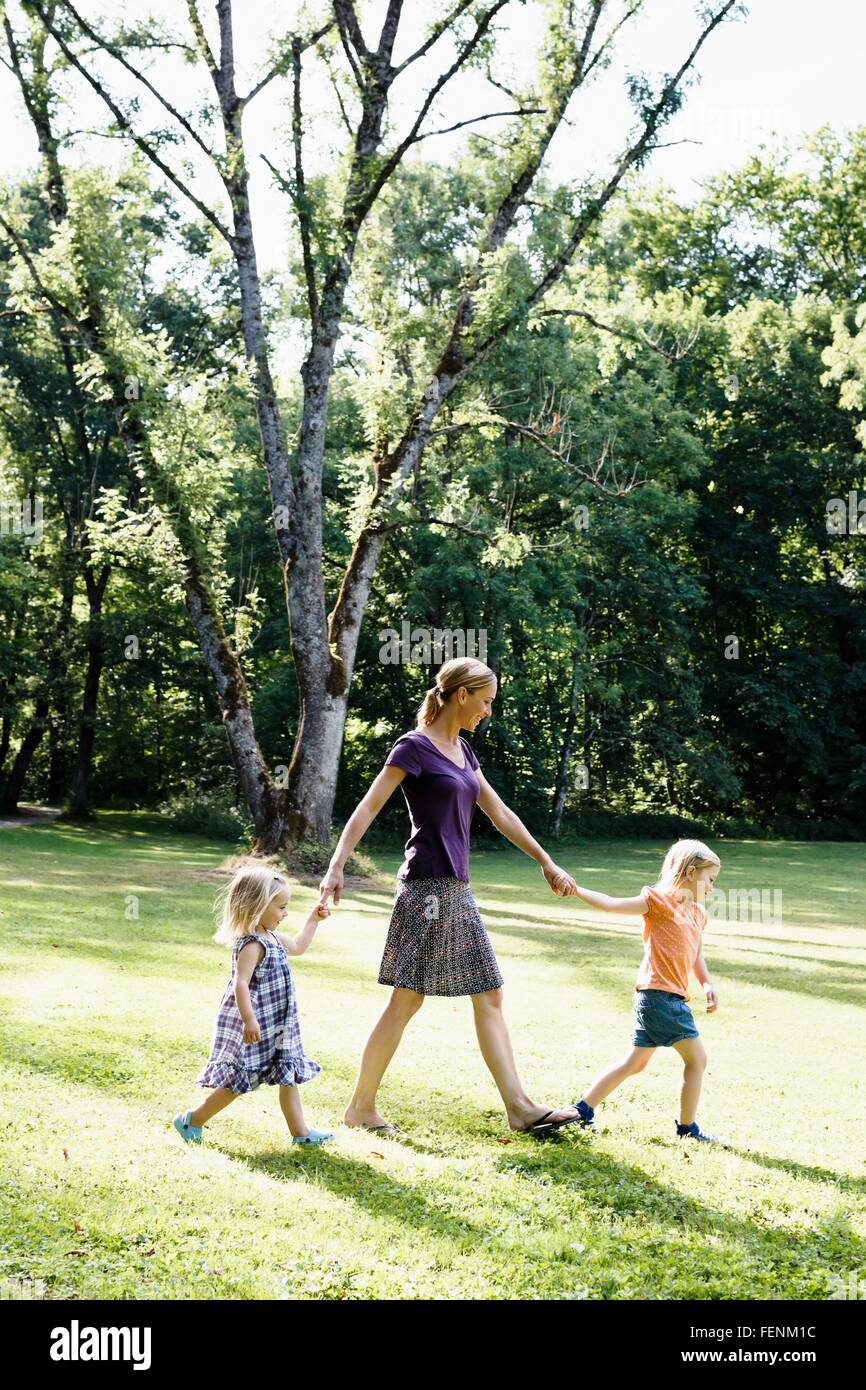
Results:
<point x="107" y="1020"/>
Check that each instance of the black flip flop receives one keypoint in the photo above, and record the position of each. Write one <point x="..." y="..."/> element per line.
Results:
<point x="539" y="1127"/>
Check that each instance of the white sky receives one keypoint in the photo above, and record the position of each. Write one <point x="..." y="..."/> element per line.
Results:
<point x="787" y="68"/>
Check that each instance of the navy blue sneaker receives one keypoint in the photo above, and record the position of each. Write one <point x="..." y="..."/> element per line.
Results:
<point x="694" y="1131"/>
<point x="586" y="1112"/>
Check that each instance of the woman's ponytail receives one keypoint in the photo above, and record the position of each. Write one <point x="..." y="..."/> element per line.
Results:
<point x="431" y="705"/>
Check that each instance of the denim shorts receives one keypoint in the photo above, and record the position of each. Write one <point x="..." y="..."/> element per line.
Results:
<point x="661" y="1018"/>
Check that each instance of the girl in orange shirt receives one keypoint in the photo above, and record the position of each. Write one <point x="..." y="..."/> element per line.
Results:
<point x="674" y="918"/>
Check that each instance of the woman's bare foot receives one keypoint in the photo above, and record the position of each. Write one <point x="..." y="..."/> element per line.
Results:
<point x="527" y="1117"/>
<point x="365" y="1119"/>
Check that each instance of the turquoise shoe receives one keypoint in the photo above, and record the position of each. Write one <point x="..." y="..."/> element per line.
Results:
<point x="315" y="1136"/>
<point x="188" y="1133"/>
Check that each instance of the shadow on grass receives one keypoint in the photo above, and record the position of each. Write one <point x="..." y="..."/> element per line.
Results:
<point x="121" y="1063"/>
<point x="103" y="1065"/>
<point x="355" y="1180"/>
<point x="840" y="1182"/>
<point x="155" y="841"/>
<point x="615" y="1188"/>
<point x="155" y="958"/>
<point x="776" y="1262"/>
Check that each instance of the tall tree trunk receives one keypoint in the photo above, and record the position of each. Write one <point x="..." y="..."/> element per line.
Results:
<point x="5" y="735"/>
<point x="79" y="800"/>
<point x="266" y="803"/>
<point x="563" y="771"/>
<point x="12" y="785"/>
<point x="10" y="792"/>
<point x="58" y="755"/>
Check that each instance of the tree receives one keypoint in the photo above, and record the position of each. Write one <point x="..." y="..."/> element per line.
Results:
<point x="489" y="303"/>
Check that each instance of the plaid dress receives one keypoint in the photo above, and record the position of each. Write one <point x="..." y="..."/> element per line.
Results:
<point x="437" y="942"/>
<point x="278" y="1059"/>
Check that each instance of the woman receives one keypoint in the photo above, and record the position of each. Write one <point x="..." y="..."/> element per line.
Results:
<point x="436" y="940"/>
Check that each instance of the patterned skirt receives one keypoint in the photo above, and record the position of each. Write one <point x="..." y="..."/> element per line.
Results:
<point x="437" y="942"/>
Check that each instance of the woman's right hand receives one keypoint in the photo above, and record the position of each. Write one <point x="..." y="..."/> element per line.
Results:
<point x="331" y="883"/>
<point x="252" y="1032"/>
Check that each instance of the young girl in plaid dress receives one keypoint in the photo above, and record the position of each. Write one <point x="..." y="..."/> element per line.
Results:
<point x="257" y="1035"/>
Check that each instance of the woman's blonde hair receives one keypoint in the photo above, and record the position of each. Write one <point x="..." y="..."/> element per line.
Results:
<point x="240" y="906"/>
<point x="465" y="671"/>
<point x="681" y="857"/>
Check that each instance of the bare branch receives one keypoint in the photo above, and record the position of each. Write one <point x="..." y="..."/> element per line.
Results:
<point x="435" y="33"/>
<point x="390" y="164"/>
<point x="126" y="125"/>
<point x="301" y="206"/>
<point x="286" y="60"/>
<point x="669" y="144"/>
<point x="350" y="33"/>
<point x="383" y="528"/>
<point x="105" y="46"/>
<point x="352" y="61"/>
<point x="560" y="455"/>
<point x="301" y="200"/>
<point x="389" y="30"/>
<point x="502" y="87"/>
<point x="473" y="120"/>
<point x="596" y="205"/>
<point x="201" y="38"/>
<point x="642" y="339"/>
<point x="606" y="44"/>
<point x="336" y="88"/>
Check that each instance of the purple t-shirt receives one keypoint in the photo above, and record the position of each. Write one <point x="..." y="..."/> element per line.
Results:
<point x="441" y="798"/>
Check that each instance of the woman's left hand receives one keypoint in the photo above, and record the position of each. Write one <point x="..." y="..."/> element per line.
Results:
<point x="560" y="882"/>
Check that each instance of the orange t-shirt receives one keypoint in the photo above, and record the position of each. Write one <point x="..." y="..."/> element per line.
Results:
<point x="672" y="942"/>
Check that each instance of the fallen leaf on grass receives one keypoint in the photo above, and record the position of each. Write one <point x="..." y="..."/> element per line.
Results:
<point x="374" y="1153"/>
<point x="65" y="1153"/>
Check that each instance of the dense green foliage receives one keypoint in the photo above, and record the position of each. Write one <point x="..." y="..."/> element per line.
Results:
<point x="699" y="381"/>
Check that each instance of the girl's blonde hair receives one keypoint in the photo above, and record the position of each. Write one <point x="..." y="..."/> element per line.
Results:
<point x="681" y="857"/>
<point x="240" y="906"/>
<point x="465" y="671"/>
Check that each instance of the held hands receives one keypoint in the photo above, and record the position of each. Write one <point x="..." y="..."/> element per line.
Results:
<point x="560" y="882"/>
<point x="331" y="883"/>
<point x="321" y="910"/>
